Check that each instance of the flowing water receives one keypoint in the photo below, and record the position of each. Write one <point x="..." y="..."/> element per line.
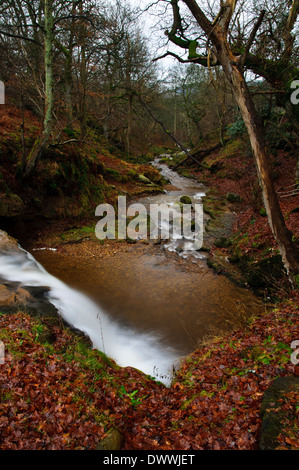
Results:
<point x="141" y="307"/>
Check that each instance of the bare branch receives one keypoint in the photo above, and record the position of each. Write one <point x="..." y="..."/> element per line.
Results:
<point x="202" y="60"/>
<point x="252" y="37"/>
<point x="200" y="17"/>
<point x="18" y="36"/>
<point x="288" y="37"/>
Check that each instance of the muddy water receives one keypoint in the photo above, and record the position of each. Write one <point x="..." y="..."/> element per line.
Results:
<point x="165" y="290"/>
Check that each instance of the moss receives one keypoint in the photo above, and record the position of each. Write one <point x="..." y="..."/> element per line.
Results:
<point x="266" y="271"/>
<point x="263" y="212"/>
<point x="223" y="242"/>
<point x="231" y="197"/>
<point x="185" y="200"/>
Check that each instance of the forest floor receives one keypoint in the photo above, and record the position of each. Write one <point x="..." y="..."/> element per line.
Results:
<point x="58" y="393"/>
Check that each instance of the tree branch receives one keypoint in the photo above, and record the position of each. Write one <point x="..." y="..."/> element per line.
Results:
<point x="252" y="37"/>
<point x="200" y="17"/>
<point x="18" y="36"/>
<point x="167" y="131"/>
<point x="225" y="14"/>
<point x="202" y="60"/>
<point x="288" y="37"/>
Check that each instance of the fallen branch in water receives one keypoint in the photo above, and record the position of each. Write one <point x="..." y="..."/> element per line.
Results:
<point x="169" y="133"/>
<point x="201" y="153"/>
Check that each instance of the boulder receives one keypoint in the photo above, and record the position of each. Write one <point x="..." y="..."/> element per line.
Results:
<point x="185" y="200"/>
<point x="11" y="205"/>
<point x="9" y="298"/>
<point x="7" y="243"/>
<point x="223" y="242"/>
<point x="231" y="197"/>
<point x="272" y="414"/>
<point x="144" y="179"/>
<point x="265" y="271"/>
<point x="113" y="441"/>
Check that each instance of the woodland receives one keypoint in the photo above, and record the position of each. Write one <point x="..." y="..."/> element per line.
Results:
<point x="93" y="92"/>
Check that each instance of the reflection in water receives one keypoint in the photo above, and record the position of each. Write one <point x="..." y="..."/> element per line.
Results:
<point x="154" y="294"/>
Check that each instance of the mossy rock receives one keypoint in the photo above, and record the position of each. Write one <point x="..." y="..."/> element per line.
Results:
<point x="223" y="242"/>
<point x="113" y="441"/>
<point x="153" y="175"/>
<point x="232" y="197"/>
<point x="263" y="212"/>
<point x="11" y="205"/>
<point x="233" y="259"/>
<point x="185" y="200"/>
<point x="132" y="174"/>
<point x="265" y="272"/>
<point x="144" y="179"/>
<point x="272" y="413"/>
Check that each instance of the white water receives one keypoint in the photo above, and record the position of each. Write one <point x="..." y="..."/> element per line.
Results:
<point x="182" y="245"/>
<point x="125" y="346"/>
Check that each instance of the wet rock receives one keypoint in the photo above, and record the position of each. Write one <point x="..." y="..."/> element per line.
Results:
<point x="223" y="242"/>
<point x="14" y="297"/>
<point x="7" y="243"/>
<point x="144" y="179"/>
<point x="231" y="197"/>
<point x="265" y="271"/>
<point x="185" y="200"/>
<point x="113" y="441"/>
<point x="11" y="205"/>
<point x="9" y="297"/>
<point x="271" y="412"/>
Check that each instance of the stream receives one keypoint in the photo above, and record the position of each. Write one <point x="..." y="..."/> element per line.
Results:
<point x="145" y="307"/>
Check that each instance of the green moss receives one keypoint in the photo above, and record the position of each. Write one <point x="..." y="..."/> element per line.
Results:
<point x="231" y="197"/>
<point x="263" y="212"/>
<point x="185" y="200"/>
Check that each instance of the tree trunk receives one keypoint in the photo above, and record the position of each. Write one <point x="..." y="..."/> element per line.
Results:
<point x="129" y="124"/>
<point x="42" y="141"/>
<point x="256" y="135"/>
<point x="68" y="92"/>
<point x="83" y="75"/>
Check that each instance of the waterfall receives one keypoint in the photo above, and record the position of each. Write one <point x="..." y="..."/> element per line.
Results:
<point x="126" y="346"/>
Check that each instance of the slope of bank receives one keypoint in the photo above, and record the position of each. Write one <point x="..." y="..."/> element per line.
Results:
<point x="71" y="178"/>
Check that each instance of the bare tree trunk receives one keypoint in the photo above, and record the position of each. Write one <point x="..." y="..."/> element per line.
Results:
<point x="255" y="131"/>
<point x="42" y="141"/>
<point x="68" y="91"/>
<point x="129" y="123"/>
<point x="83" y="76"/>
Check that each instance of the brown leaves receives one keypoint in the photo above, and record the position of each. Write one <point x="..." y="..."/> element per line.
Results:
<point x="50" y="402"/>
